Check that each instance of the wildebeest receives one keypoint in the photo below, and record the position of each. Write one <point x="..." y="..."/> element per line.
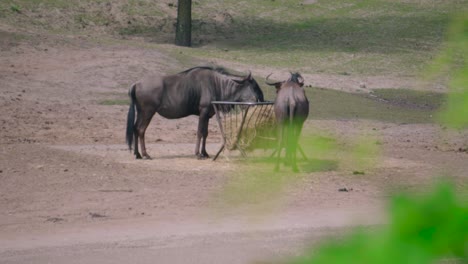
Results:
<point x="186" y="93"/>
<point x="291" y="110"/>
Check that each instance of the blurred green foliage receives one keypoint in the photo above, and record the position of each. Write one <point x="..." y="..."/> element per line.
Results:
<point x="452" y="63"/>
<point x="15" y="8"/>
<point x="421" y="230"/>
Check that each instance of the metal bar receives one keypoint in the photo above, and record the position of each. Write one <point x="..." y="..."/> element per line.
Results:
<point x="302" y="152"/>
<point x="222" y="131"/>
<point x="240" y="130"/>
<point x="242" y="103"/>
<point x="219" y="152"/>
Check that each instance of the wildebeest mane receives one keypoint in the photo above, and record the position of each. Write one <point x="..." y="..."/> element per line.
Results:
<point x="217" y="69"/>
<point x="224" y="72"/>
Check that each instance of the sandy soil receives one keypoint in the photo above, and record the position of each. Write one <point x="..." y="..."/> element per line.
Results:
<point x="71" y="192"/>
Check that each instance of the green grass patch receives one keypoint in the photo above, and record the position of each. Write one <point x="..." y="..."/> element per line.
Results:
<point x="389" y="105"/>
<point x="87" y="19"/>
<point x="33" y="4"/>
<point x="411" y="98"/>
<point x="15" y="8"/>
<point x="142" y="8"/>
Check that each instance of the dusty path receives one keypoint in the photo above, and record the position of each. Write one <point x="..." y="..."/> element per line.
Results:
<point x="232" y="240"/>
<point x="71" y="192"/>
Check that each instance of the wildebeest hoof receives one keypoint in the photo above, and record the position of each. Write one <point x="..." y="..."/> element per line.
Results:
<point x="138" y="156"/>
<point x="202" y="157"/>
<point x="147" y="157"/>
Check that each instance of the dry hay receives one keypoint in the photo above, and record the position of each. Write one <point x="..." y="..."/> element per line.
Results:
<point x="259" y="126"/>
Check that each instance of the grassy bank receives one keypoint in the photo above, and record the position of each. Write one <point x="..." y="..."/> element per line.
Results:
<point x="357" y="37"/>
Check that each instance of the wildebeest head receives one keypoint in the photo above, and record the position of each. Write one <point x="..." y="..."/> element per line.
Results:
<point x="249" y="90"/>
<point x="295" y="78"/>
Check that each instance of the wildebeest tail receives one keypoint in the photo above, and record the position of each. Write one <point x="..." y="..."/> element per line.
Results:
<point x="131" y="117"/>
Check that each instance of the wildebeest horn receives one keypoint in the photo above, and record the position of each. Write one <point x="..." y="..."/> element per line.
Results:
<point x="271" y="83"/>
<point x="249" y="76"/>
<point x="300" y="80"/>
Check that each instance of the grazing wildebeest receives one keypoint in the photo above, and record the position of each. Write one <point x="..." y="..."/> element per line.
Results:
<point x="186" y="93"/>
<point x="291" y="110"/>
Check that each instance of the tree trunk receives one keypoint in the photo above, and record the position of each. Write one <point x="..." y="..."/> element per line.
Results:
<point x="184" y="23"/>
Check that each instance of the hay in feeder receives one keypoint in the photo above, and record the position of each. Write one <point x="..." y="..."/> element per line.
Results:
<point x="246" y="127"/>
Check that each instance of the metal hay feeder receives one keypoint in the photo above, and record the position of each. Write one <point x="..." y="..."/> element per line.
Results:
<point x="245" y="125"/>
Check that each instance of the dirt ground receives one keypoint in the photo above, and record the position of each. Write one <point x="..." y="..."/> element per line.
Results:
<point x="71" y="192"/>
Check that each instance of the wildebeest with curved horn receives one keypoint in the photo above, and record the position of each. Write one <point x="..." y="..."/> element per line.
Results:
<point x="186" y="93"/>
<point x="291" y="110"/>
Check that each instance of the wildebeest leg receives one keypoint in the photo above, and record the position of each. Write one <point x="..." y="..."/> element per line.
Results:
<point x="293" y="153"/>
<point x="295" y="137"/>
<point x="135" y="135"/>
<point x="287" y="144"/>
<point x="135" y="149"/>
<point x="280" y="146"/>
<point x="142" y="122"/>
<point x="202" y="134"/>
<point x="203" y="149"/>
